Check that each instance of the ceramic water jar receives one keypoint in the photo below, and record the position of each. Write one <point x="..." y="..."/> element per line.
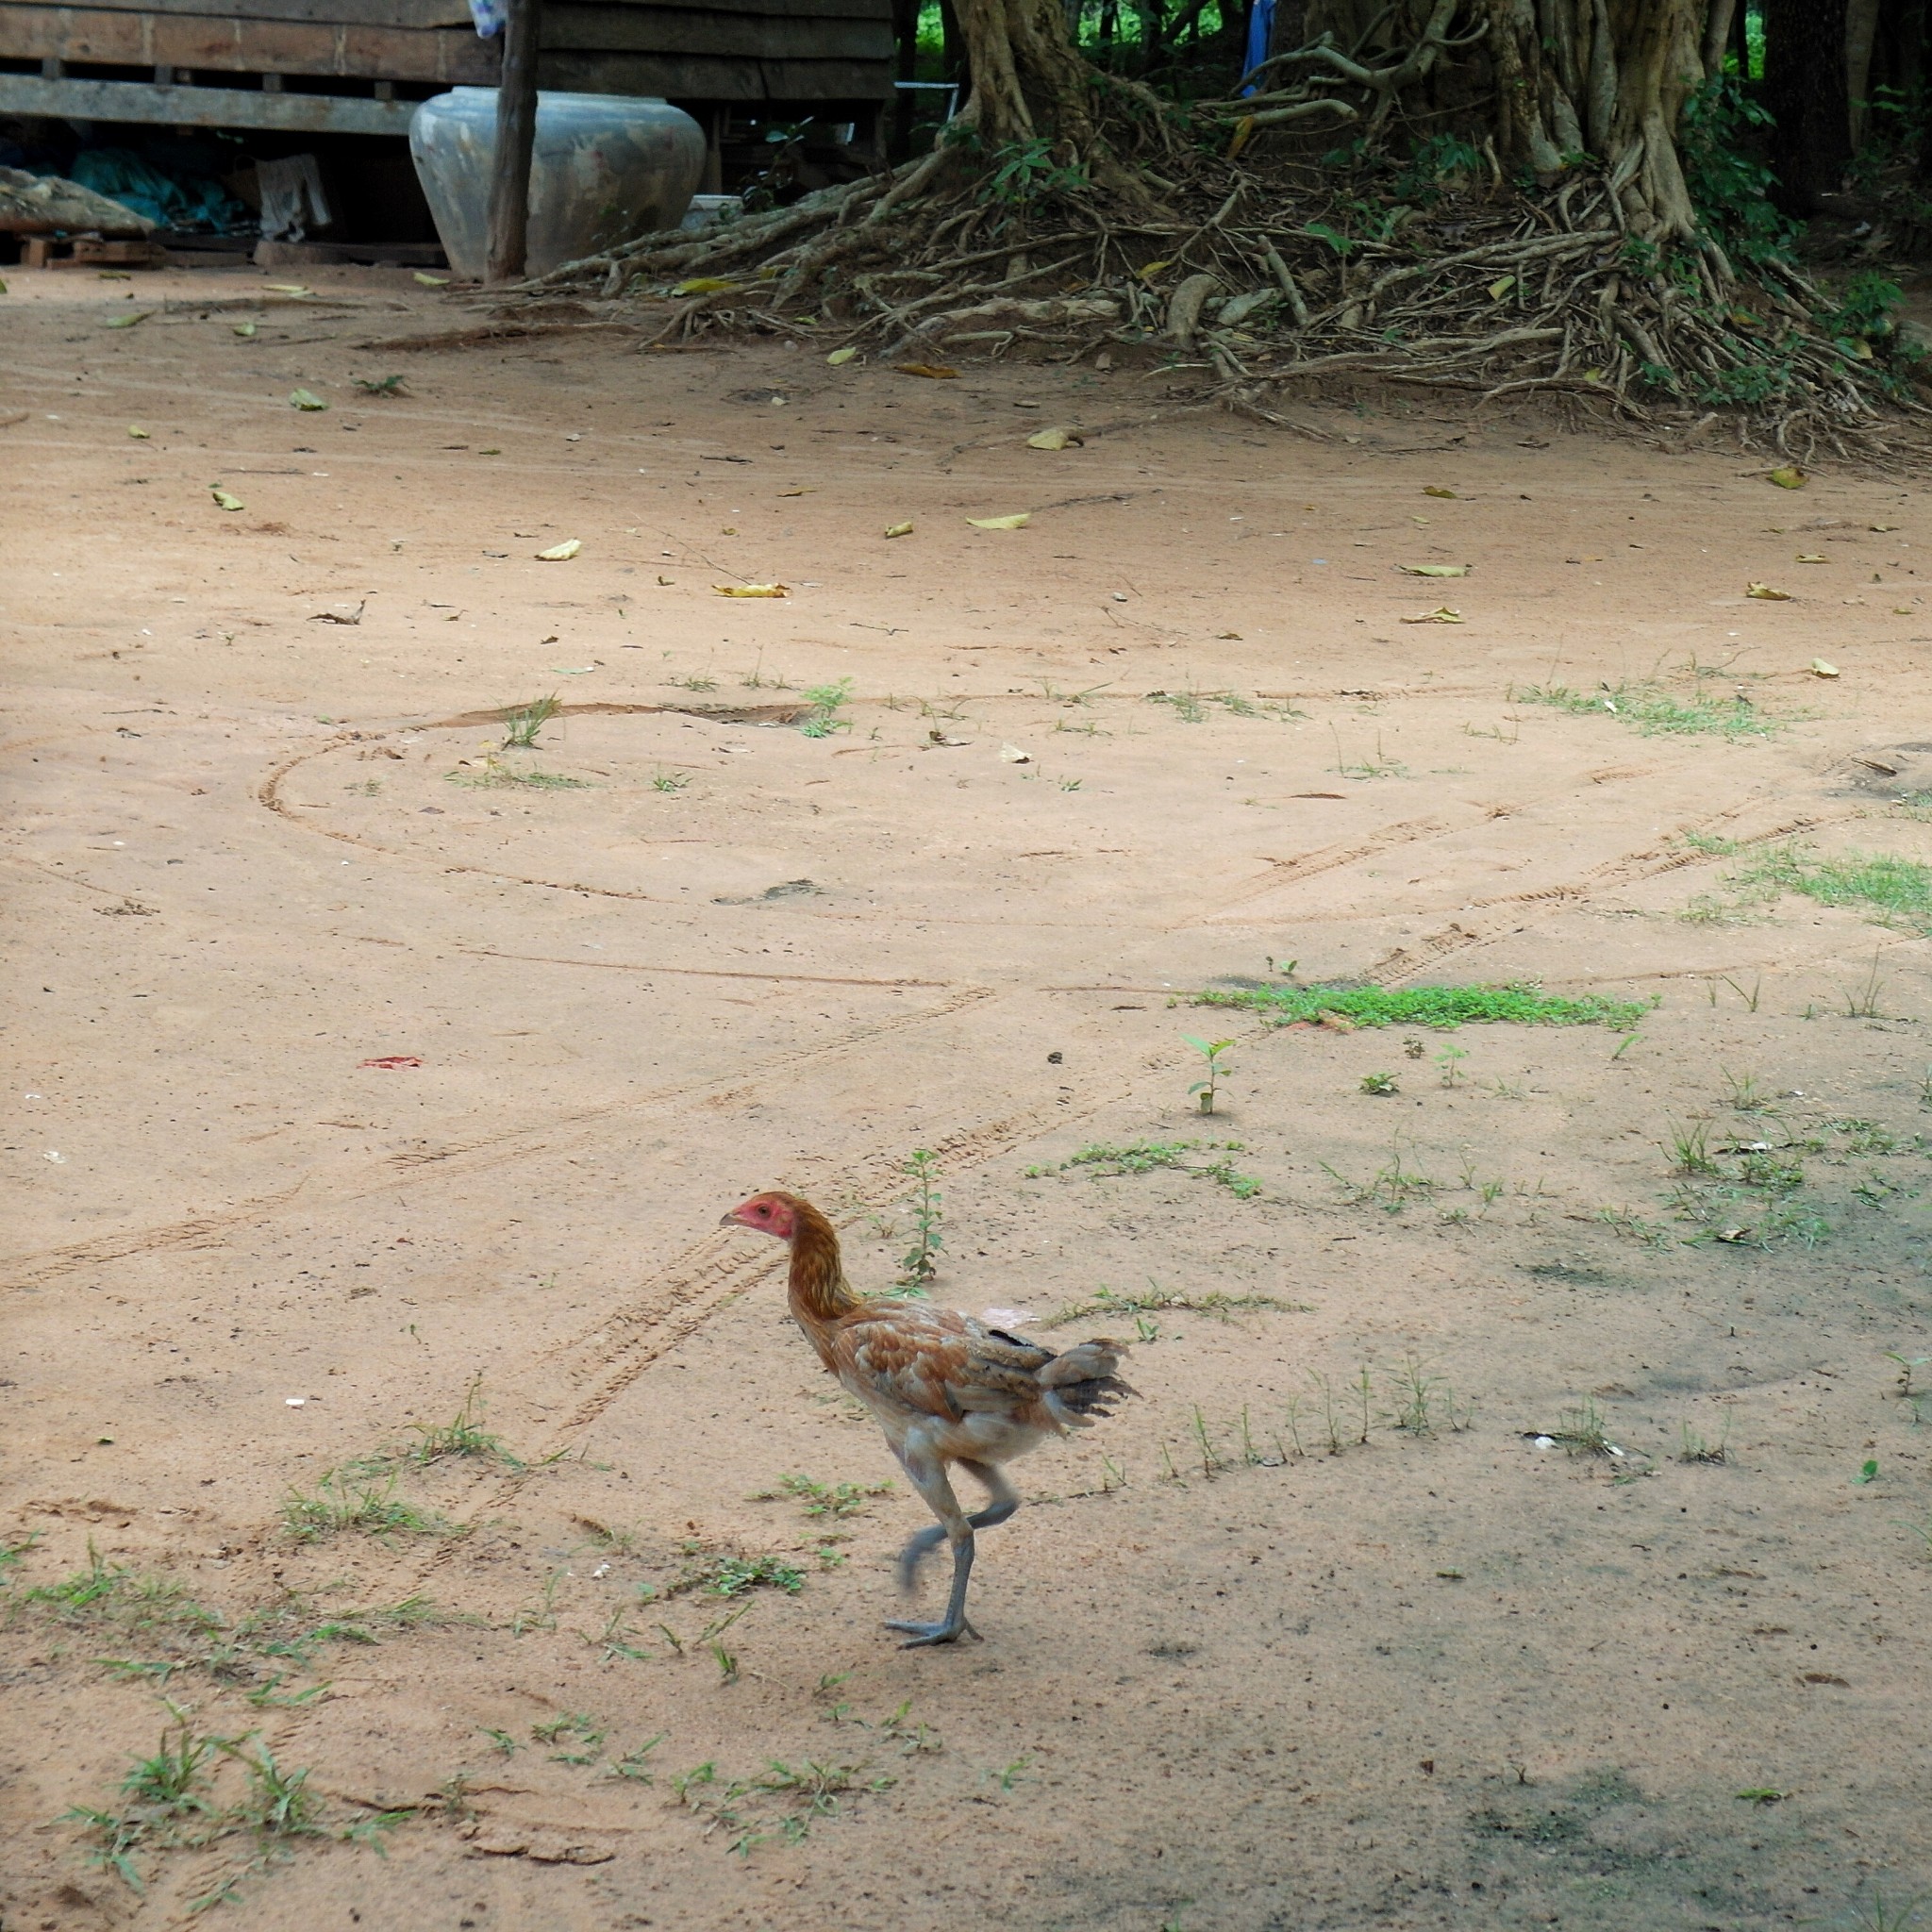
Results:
<point x="605" y="167"/>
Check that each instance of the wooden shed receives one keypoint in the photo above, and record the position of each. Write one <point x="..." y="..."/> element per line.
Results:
<point x="358" y="66"/>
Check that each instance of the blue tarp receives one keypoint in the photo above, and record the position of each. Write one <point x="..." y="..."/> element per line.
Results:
<point x="170" y="201"/>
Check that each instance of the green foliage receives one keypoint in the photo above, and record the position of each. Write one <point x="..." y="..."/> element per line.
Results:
<point x="827" y="702"/>
<point x="1443" y="161"/>
<point x="918" y="1264"/>
<point x="1894" y="890"/>
<point x="1653" y="711"/>
<point x="1865" y="306"/>
<point x="1144" y="1157"/>
<point x="523" y="723"/>
<point x="1441" y="1007"/>
<point x="342" y="1503"/>
<point x="1020" y="173"/>
<point x="837" y="1500"/>
<point x="1729" y="185"/>
<point x="726" y="1575"/>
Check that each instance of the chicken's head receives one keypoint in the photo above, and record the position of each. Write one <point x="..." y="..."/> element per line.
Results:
<point x="766" y="1214"/>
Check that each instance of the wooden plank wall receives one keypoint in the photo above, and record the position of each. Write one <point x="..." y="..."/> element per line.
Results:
<point x="726" y="51"/>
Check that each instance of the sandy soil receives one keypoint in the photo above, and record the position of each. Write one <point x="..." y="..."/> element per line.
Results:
<point x="1230" y="1680"/>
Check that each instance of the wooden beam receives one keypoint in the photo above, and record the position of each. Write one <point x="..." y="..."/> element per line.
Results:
<point x="146" y="105"/>
<point x="516" y="137"/>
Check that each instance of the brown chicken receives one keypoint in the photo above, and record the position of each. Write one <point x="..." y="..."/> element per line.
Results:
<point x="947" y="1390"/>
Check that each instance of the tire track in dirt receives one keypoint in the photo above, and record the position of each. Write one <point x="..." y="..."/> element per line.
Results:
<point x="566" y="1132"/>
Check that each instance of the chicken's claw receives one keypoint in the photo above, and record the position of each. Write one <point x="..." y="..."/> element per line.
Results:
<point x="923" y="1635"/>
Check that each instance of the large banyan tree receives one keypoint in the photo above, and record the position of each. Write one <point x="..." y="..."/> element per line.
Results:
<point x="1500" y="196"/>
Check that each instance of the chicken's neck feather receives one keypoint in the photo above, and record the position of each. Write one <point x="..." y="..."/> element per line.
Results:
<point x="819" y="1291"/>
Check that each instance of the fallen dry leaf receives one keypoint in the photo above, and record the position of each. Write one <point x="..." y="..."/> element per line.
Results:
<point x="1440" y="614"/>
<point x="306" y="399"/>
<point x="704" y="285"/>
<point x="806" y="490"/>
<point x="223" y="500"/>
<point x="1501" y="286"/>
<point x="1431" y="490"/>
<point x="1767" y="593"/>
<point x="839" y="357"/>
<point x="432" y="281"/>
<point x="244" y="329"/>
<point x="562" y="553"/>
<point x="288" y="289"/>
<point x="752" y="589"/>
<point x="1809" y="556"/>
<point x="1053" y="438"/>
<point x="1433" y="570"/>
<point x="898" y="529"/>
<point x="138" y="433"/>
<point x="937" y="370"/>
<point x="1012" y="754"/>
<point x="1013" y="522"/>
<point x="1788" y="476"/>
<point x="128" y="319"/>
<point x="1819" y="668"/>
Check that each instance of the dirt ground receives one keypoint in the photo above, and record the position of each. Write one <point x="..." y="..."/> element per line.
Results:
<point x="1241" y="1668"/>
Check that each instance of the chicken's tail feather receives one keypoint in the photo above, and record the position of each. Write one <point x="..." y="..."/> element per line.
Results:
<point x="1083" y="1385"/>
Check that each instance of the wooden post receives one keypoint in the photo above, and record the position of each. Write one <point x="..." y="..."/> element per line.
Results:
<point x="516" y="136"/>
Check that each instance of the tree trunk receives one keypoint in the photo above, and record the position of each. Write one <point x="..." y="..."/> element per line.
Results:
<point x="1608" y="78"/>
<point x="1804" y="89"/>
<point x="1029" y="83"/>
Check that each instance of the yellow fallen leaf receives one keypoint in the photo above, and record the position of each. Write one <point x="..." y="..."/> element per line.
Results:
<point x="839" y="357"/>
<point x="1809" y="556"/>
<point x="128" y="319"/>
<point x="1152" y="270"/>
<point x="1788" y="476"/>
<point x="1234" y="634"/>
<point x="898" y="529"/>
<point x="704" y="285"/>
<point x="1860" y="348"/>
<point x="1442" y="613"/>
<point x="1881" y="528"/>
<point x="306" y="399"/>
<point x="244" y="329"/>
<point x="1018" y="522"/>
<point x="1243" y="131"/>
<point x="139" y="435"/>
<point x="1742" y="318"/>
<point x="432" y="281"/>
<point x="562" y="553"/>
<point x="1432" y="490"/>
<point x="1433" y="570"/>
<point x="1501" y="286"/>
<point x="937" y="370"/>
<point x="1902" y="610"/>
<point x="752" y="589"/>
<point x="223" y="500"/>
<point x="1819" y="668"/>
<point x="290" y="288"/>
<point x="803" y="489"/>
<point x="1767" y="593"/>
<point x="1054" y="438"/>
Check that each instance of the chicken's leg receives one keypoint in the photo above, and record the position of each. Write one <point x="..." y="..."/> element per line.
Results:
<point x="1001" y="1500"/>
<point x="928" y="1476"/>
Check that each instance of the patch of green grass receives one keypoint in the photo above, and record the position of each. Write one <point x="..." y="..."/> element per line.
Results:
<point x="1444" y="1007"/>
<point x="727" y="1573"/>
<point x="1648" y="708"/>
<point x="521" y="724"/>
<point x="462" y="1435"/>
<point x="825" y="1499"/>
<point x="1106" y="1162"/>
<point x="1219" y="1306"/>
<point x="1886" y="887"/>
<point x="342" y="1503"/>
<point x="827" y="702"/>
<point x="495" y="775"/>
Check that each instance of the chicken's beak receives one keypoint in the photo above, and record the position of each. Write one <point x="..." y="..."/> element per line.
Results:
<point x="728" y="1219"/>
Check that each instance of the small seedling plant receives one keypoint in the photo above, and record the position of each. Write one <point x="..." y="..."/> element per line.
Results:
<point x="920" y="1263"/>
<point x="1206" y="1090"/>
<point x="523" y="723"/>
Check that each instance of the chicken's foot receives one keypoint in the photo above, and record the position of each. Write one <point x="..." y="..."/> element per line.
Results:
<point x="923" y="1542"/>
<point x="929" y="1478"/>
<point x="954" y="1626"/>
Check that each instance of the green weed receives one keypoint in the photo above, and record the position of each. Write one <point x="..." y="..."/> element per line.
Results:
<point x="1649" y="708"/>
<point x="837" y="1500"/>
<point x="1215" y="1304"/>
<point x="523" y="723"/>
<point x="1214" y="1071"/>
<point x="495" y="775"/>
<point x="1106" y="1161"/>
<point x="827" y="701"/>
<point x="1886" y="887"/>
<point x="1698" y="1448"/>
<point x="918" y="1264"/>
<point x="1442" y="1007"/>
<point x="342" y="1503"/>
